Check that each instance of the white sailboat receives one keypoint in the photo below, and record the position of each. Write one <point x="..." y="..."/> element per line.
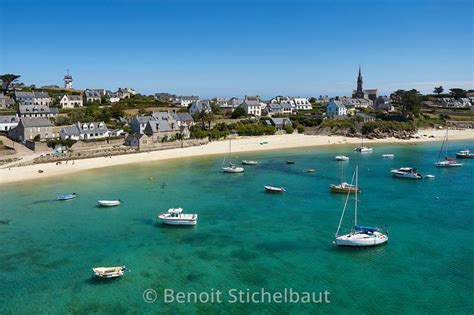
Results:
<point x="343" y="187"/>
<point x="447" y="162"/>
<point x="360" y="236"/>
<point x="232" y="168"/>
<point x="362" y="148"/>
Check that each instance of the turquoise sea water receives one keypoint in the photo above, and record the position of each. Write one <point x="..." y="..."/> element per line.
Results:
<point x="245" y="238"/>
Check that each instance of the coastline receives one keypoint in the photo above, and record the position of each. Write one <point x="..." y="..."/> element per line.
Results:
<point x="241" y="144"/>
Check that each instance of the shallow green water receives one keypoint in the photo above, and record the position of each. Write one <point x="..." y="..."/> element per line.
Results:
<point x="245" y="238"/>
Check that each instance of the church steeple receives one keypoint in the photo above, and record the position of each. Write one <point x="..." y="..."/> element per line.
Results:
<point x="359" y="92"/>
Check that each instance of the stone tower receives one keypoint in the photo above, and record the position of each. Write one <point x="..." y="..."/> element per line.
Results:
<point x="359" y="92"/>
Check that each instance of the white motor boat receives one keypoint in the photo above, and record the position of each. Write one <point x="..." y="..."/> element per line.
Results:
<point x="429" y="176"/>
<point x="274" y="189"/>
<point x="465" y="154"/>
<point x="388" y="156"/>
<point x="342" y="158"/>
<point x="360" y="236"/>
<point x="447" y="162"/>
<point x="175" y="216"/>
<point x="109" y="203"/>
<point x="249" y="162"/>
<point x="109" y="272"/>
<point x="406" y="172"/>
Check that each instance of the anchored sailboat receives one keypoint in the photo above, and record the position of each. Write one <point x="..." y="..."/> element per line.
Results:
<point x="232" y="168"/>
<point x="362" y="148"/>
<point x="343" y="187"/>
<point x="360" y="236"/>
<point x="447" y="162"/>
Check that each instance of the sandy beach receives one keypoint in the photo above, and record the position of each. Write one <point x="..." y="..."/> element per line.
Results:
<point x="242" y="144"/>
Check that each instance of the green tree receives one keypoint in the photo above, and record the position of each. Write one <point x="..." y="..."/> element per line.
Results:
<point x="408" y="101"/>
<point x="7" y="79"/>
<point x="238" y="112"/>
<point x="458" y="93"/>
<point x="438" y="90"/>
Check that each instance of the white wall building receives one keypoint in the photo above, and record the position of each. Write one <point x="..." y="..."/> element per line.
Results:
<point x="70" y="101"/>
<point x="336" y="109"/>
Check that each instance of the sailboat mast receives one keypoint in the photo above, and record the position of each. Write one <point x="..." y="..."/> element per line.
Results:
<point x="357" y="185"/>
<point x="344" y="209"/>
<point x="446" y="145"/>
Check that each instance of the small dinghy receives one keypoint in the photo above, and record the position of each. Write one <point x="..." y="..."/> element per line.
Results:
<point x="109" y="203"/>
<point x="274" y="189"/>
<point x="388" y="156"/>
<point x="290" y="162"/>
<point x="67" y="197"/>
<point x="429" y="176"/>
<point x="109" y="272"/>
<point x="249" y="162"/>
<point x="342" y="158"/>
<point x="311" y="170"/>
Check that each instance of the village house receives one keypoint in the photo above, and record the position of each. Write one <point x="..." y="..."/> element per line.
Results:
<point x="166" y="97"/>
<point x="85" y="131"/>
<point x="8" y="122"/>
<point x="32" y="98"/>
<point x="183" y="119"/>
<point x="185" y="101"/>
<point x="336" y="109"/>
<point x="233" y="103"/>
<point x="351" y="102"/>
<point x="279" y="123"/>
<point x="221" y="102"/>
<point x="6" y="101"/>
<point x="384" y="103"/>
<point x="274" y="109"/>
<point x="31" y="128"/>
<point x="37" y="111"/>
<point x="365" y="117"/>
<point x="200" y="106"/>
<point x="92" y="96"/>
<point x="70" y="101"/>
<point x="252" y="106"/>
<point x="302" y="103"/>
<point x="138" y="123"/>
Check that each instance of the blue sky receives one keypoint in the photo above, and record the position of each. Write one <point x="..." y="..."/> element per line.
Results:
<point x="227" y="48"/>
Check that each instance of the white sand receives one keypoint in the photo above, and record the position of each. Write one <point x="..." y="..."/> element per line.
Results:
<point x="243" y="144"/>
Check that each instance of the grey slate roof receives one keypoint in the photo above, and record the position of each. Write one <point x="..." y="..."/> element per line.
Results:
<point x="35" y="122"/>
<point x="42" y="109"/>
<point x="159" y="126"/>
<point x="9" y="119"/>
<point x="73" y="97"/>
<point x="184" y="117"/>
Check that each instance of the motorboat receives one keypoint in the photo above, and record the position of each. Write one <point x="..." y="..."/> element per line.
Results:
<point x="465" y="154"/>
<point x="360" y="236"/>
<point x="109" y="203"/>
<point x="175" y="216"/>
<point x="388" y="156"/>
<point x="406" y="172"/>
<point x="447" y="162"/>
<point x="249" y="162"/>
<point x="342" y="158"/>
<point x="109" y="272"/>
<point x="232" y="168"/>
<point x="67" y="197"/>
<point x="344" y="188"/>
<point x="274" y="189"/>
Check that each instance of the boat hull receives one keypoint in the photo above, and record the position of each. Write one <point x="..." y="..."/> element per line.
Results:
<point x="465" y="156"/>
<point x="361" y="240"/>
<point x="247" y="162"/>
<point x="342" y="158"/>
<point x="109" y="272"/>
<point x="66" y="197"/>
<point x="235" y="169"/>
<point x="274" y="189"/>
<point x="344" y="190"/>
<point x="448" y="165"/>
<point x="108" y="203"/>
<point x="179" y="222"/>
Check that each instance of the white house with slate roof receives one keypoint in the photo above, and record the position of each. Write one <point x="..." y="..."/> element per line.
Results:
<point x="84" y="131"/>
<point x="92" y="96"/>
<point x="185" y="101"/>
<point x="200" y="106"/>
<point x="70" y="101"/>
<point x="32" y="98"/>
<point x="8" y="122"/>
<point x="335" y="109"/>
<point x="252" y="106"/>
